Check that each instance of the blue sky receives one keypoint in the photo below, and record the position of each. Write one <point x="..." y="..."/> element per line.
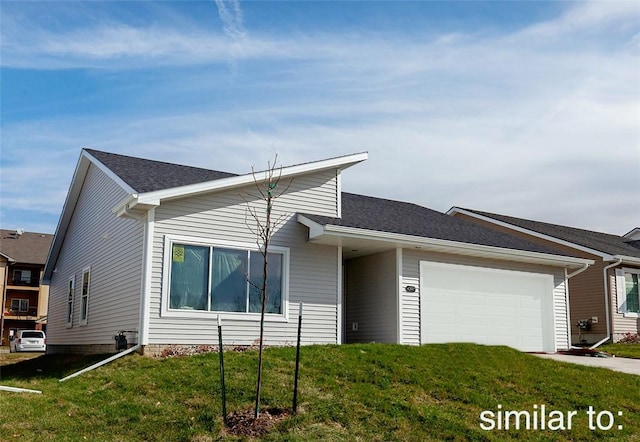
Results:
<point x="529" y="109"/>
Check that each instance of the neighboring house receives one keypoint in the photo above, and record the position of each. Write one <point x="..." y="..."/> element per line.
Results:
<point x="162" y="250"/>
<point x="24" y="299"/>
<point x="604" y="299"/>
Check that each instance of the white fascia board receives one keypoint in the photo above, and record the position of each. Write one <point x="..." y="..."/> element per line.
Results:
<point x="604" y="256"/>
<point x="315" y="229"/>
<point x="455" y="247"/>
<point x="633" y="233"/>
<point x="82" y="167"/>
<point x="628" y="259"/>
<point x="250" y="178"/>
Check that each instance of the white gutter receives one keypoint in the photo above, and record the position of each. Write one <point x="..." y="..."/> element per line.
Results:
<point x="571" y="275"/>
<point x="317" y="230"/>
<point x="628" y="259"/>
<point x="101" y="363"/>
<point x="18" y="390"/>
<point x="606" y="302"/>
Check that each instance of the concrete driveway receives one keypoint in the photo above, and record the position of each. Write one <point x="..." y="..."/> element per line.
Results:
<point x="625" y="365"/>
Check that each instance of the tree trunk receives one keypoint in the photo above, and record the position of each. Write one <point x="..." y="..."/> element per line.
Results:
<point x="267" y="236"/>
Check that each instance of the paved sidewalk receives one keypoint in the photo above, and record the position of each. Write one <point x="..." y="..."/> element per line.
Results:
<point x="625" y="365"/>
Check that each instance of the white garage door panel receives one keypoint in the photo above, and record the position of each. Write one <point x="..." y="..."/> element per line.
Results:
<point x="487" y="306"/>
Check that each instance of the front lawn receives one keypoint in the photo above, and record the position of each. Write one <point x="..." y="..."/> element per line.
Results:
<point x="622" y="350"/>
<point x="351" y="392"/>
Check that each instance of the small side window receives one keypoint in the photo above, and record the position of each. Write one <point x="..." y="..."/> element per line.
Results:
<point x="70" y="296"/>
<point x="84" y="299"/>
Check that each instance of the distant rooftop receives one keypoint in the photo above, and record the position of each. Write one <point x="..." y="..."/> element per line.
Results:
<point x="604" y="242"/>
<point x="26" y="247"/>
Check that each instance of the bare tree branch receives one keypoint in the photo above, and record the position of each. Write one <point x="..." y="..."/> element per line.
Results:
<point x="263" y="228"/>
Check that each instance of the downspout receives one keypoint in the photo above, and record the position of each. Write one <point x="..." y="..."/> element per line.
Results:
<point x="566" y="278"/>
<point x="145" y="291"/>
<point x="18" y="390"/>
<point x="101" y="363"/>
<point x="580" y="270"/>
<point x="607" y="302"/>
<point x="147" y="245"/>
<point x="4" y="292"/>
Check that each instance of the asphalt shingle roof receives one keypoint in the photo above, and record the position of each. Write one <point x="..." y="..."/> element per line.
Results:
<point x="358" y="211"/>
<point x="378" y="214"/>
<point x="603" y="242"/>
<point x="28" y="248"/>
<point x="148" y="175"/>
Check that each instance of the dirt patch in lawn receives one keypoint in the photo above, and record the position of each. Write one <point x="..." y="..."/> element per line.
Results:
<point x="242" y="423"/>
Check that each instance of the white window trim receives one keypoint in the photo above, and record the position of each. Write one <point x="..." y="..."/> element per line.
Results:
<point x="71" y="283"/>
<point x="620" y="292"/>
<point x="85" y="321"/>
<point x="169" y="240"/>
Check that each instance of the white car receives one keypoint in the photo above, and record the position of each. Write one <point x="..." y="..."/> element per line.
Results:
<point x="28" y="340"/>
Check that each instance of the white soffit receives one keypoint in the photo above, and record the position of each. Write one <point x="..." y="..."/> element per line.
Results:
<point x="340" y="236"/>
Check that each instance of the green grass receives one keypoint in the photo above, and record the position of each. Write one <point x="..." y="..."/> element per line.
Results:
<point x="353" y="392"/>
<point x="622" y="350"/>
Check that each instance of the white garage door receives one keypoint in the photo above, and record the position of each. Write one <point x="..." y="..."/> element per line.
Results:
<point x="460" y="303"/>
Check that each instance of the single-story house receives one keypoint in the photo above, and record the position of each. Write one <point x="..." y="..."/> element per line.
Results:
<point x="162" y="250"/>
<point x="604" y="300"/>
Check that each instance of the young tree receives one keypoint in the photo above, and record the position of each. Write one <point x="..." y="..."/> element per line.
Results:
<point x="269" y="190"/>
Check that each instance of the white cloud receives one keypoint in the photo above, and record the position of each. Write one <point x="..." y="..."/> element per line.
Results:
<point x="539" y="123"/>
<point x="590" y="17"/>
<point x="232" y="18"/>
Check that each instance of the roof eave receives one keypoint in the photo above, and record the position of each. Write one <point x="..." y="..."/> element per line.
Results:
<point x="10" y="259"/>
<point x="131" y="207"/>
<point x="82" y="167"/>
<point x="604" y="255"/>
<point x="319" y="231"/>
<point x="79" y="175"/>
<point x="632" y="260"/>
<point x="242" y="180"/>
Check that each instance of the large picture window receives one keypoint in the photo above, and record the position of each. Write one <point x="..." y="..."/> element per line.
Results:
<point x="224" y="279"/>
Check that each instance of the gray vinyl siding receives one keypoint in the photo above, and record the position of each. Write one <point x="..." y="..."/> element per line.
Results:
<point x="112" y="248"/>
<point x="621" y="324"/>
<point x="411" y="301"/>
<point x="371" y="298"/>
<point x="313" y="269"/>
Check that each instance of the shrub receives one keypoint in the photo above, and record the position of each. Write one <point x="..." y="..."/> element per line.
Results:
<point x="630" y="338"/>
